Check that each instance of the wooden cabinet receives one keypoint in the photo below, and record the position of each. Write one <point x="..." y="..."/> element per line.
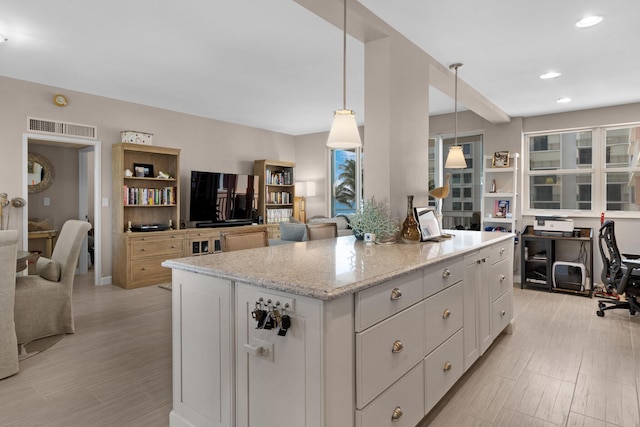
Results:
<point x="277" y="190"/>
<point x="500" y="195"/>
<point x="145" y="200"/>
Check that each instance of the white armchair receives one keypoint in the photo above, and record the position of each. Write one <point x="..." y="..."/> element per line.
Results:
<point x="43" y="300"/>
<point x="8" y="342"/>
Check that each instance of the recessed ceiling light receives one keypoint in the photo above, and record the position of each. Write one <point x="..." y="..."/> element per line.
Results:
<point x="550" y="75"/>
<point x="563" y="100"/>
<point x="589" y="21"/>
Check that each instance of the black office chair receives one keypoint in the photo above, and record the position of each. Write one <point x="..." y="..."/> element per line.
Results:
<point x="620" y="273"/>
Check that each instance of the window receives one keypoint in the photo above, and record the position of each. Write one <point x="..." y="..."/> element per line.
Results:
<point x="465" y="194"/>
<point x="346" y="181"/>
<point x="589" y="170"/>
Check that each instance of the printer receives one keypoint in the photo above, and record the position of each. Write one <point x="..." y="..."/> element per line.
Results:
<point x="552" y="225"/>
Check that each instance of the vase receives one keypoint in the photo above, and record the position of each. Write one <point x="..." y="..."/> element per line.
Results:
<point x="410" y="232"/>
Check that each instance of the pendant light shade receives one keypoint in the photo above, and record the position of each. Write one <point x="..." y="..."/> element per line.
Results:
<point x="344" y="133"/>
<point x="455" y="159"/>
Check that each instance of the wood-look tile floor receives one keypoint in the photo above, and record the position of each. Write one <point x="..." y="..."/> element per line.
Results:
<point x="563" y="366"/>
<point x="114" y="371"/>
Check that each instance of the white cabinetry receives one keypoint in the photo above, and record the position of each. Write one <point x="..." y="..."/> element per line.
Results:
<point x="383" y="356"/>
<point x="203" y="375"/>
<point x="488" y="298"/>
<point x="500" y="195"/>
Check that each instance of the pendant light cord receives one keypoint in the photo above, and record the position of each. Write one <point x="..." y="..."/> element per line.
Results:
<point x="455" y="103"/>
<point x="344" y="59"/>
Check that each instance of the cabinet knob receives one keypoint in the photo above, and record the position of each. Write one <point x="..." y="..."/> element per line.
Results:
<point x="173" y="246"/>
<point x="446" y="313"/>
<point x="397" y="346"/>
<point x="447" y="366"/>
<point x="502" y="277"/>
<point x="502" y="313"/>
<point x="446" y="273"/>
<point x="397" y="414"/>
<point x="502" y="250"/>
<point x="395" y="294"/>
<point x="143" y="249"/>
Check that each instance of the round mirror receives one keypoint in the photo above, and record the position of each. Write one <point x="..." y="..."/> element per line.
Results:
<point x="40" y="173"/>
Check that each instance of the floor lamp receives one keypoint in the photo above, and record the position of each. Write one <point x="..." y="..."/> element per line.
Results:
<point x="303" y="190"/>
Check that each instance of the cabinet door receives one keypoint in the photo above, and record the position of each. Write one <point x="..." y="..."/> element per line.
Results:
<point x="279" y="378"/>
<point x="470" y="297"/>
<point x="477" y="306"/>
<point x="202" y="350"/>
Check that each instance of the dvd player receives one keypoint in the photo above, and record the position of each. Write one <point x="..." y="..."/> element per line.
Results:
<point x="149" y="227"/>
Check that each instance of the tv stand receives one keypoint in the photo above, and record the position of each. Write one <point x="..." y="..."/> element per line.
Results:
<point x="228" y="223"/>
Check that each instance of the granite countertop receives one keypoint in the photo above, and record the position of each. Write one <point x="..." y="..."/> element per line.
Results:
<point x="327" y="269"/>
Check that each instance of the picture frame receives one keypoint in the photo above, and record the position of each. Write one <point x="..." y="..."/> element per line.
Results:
<point x="500" y="159"/>
<point x="142" y="170"/>
<point x="428" y="223"/>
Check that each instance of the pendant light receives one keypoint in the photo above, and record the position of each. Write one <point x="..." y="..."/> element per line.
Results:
<point x="344" y="134"/>
<point x="455" y="159"/>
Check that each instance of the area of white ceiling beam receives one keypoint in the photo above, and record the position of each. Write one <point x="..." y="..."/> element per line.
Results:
<point x="364" y="26"/>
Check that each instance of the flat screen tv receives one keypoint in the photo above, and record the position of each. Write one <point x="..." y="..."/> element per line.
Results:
<point x="218" y="198"/>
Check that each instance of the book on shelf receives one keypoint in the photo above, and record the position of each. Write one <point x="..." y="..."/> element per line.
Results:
<point x="148" y="196"/>
<point x="501" y="209"/>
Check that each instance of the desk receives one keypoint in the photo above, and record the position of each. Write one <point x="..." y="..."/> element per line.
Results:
<point x="21" y="260"/>
<point x="50" y="235"/>
<point x="536" y="271"/>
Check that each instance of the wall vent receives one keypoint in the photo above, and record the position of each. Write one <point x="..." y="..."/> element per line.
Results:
<point x="53" y="127"/>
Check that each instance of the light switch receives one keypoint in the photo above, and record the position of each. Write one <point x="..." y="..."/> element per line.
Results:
<point x="105" y="202"/>
<point x="46" y="201"/>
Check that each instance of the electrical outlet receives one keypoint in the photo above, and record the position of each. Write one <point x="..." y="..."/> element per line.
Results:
<point x="46" y="201"/>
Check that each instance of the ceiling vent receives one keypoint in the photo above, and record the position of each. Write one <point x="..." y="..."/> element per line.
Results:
<point x="53" y="127"/>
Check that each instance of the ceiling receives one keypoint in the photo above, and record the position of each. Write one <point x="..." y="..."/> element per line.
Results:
<point x="273" y="64"/>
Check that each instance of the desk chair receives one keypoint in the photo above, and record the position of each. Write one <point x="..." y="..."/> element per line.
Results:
<point x="620" y="273"/>
<point x="8" y="341"/>
<point x="234" y="240"/>
<point x="327" y="230"/>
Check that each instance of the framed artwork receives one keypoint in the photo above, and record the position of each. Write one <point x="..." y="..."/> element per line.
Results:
<point x="141" y="170"/>
<point x="500" y="159"/>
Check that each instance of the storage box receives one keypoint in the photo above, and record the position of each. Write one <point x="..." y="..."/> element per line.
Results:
<point x="136" y="137"/>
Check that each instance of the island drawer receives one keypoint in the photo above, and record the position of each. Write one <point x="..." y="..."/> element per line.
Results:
<point x="401" y="405"/>
<point x="442" y="368"/>
<point x="500" y="251"/>
<point x="387" y="351"/>
<point x="379" y="302"/>
<point x="442" y="275"/>
<point x="502" y="313"/>
<point x="443" y="315"/>
<point x="499" y="278"/>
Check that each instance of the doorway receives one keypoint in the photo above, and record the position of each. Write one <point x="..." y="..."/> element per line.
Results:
<point x="88" y="188"/>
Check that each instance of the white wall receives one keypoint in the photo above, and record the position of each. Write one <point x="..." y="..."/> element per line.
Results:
<point x="509" y="137"/>
<point x="206" y="144"/>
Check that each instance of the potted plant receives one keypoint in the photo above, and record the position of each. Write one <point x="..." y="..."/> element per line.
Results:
<point x="374" y="217"/>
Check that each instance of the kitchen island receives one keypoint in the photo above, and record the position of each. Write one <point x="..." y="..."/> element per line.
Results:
<point x="377" y="335"/>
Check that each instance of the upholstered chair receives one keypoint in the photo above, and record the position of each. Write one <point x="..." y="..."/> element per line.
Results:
<point x="43" y="300"/>
<point x="234" y="240"/>
<point x="327" y="230"/>
<point x="8" y="342"/>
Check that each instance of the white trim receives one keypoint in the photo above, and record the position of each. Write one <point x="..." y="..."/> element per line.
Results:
<point x="97" y="226"/>
<point x="596" y="171"/>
